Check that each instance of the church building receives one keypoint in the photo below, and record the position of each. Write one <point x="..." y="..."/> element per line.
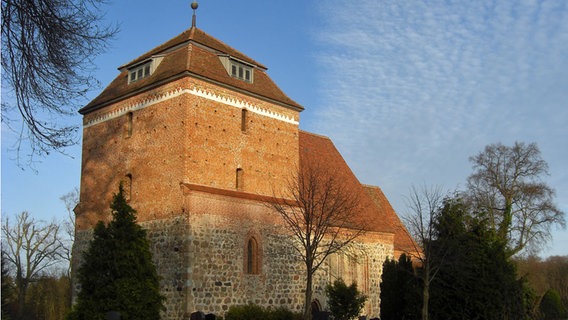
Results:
<point x="202" y="138"/>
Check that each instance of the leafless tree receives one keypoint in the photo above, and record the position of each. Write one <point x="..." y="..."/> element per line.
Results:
<point x="424" y="207"/>
<point x="31" y="247"/>
<point x="507" y="186"/>
<point x="70" y="199"/>
<point x="322" y="212"/>
<point x="48" y="47"/>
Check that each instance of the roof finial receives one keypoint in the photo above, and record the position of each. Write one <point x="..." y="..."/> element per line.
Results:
<point x="194" y="6"/>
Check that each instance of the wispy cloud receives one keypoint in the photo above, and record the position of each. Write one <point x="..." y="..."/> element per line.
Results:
<point x="410" y="89"/>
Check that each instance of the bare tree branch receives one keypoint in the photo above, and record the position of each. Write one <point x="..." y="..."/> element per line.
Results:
<point x="507" y="186"/>
<point x="70" y="199"/>
<point x="48" y="47"/>
<point x="322" y="213"/>
<point x="424" y="206"/>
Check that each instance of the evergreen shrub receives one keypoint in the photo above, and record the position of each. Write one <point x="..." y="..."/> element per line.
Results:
<point x="255" y="312"/>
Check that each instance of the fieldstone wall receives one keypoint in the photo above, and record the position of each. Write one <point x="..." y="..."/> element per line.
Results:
<point x="201" y="263"/>
<point x="80" y="245"/>
<point x="218" y="277"/>
<point x="171" y="249"/>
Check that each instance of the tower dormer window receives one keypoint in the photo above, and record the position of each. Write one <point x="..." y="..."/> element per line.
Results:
<point x="140" y="72"/>
<point x="238" y="69"/>
<point x="143" y="68"/>
<point x="241" y="71"/>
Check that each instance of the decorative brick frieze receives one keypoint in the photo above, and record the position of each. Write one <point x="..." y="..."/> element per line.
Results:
<point x="209" y="95"/>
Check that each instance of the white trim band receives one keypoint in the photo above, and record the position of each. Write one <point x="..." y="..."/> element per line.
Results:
<point x="196" y="92"/>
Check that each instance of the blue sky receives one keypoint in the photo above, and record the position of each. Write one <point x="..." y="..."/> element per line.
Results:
<point x="407" y="90"/>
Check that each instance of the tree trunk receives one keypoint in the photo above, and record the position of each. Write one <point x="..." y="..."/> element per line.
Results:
<point x="425" y="296"/>
<point x="22" y="288"/>
<point x="505" y="224"/>
<point x="308" y="297"/>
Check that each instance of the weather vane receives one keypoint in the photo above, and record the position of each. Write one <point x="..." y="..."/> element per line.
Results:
<point x="194" y="6"/>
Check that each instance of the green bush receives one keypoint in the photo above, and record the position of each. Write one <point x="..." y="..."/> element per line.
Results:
<point x="551" y="306"/>
<point x="254" y="312"/>
<point x="249" y="311"/>
<point x="345" y="302"/>
<point x="282" y="313"/>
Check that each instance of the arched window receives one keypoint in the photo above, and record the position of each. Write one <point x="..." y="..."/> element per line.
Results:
<point x="316" y="308"/>
<point x="252" y="257"/>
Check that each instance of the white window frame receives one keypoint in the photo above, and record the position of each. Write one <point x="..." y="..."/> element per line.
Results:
<point x="139" y="72"/>
<point x="238" y="69"/>
<point x="241" y="71"/>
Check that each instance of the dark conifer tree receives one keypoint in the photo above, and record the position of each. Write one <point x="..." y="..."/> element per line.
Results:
<point x="400" y="290"/>
<point x="477" y="281"/>
<point x="117" y="273"/>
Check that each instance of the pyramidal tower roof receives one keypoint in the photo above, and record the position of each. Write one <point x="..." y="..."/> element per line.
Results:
<point x="198" y="37"/>
<point x="197" y="54"/>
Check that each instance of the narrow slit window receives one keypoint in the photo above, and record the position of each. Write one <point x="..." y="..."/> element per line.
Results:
<point x="128" y="126"/>
<point x="127" y="187"/>
<point x="244" y="120"/>
<point x="239" y="179"/>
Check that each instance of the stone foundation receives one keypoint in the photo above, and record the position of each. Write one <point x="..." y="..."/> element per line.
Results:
<point x="200" y="261"/>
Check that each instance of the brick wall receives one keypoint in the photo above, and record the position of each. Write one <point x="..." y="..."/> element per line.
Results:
<point x="177" y="136"/>
<point x="192" y="132"/>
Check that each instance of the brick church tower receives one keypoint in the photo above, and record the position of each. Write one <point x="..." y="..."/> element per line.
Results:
<point x="201" y="136"/>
